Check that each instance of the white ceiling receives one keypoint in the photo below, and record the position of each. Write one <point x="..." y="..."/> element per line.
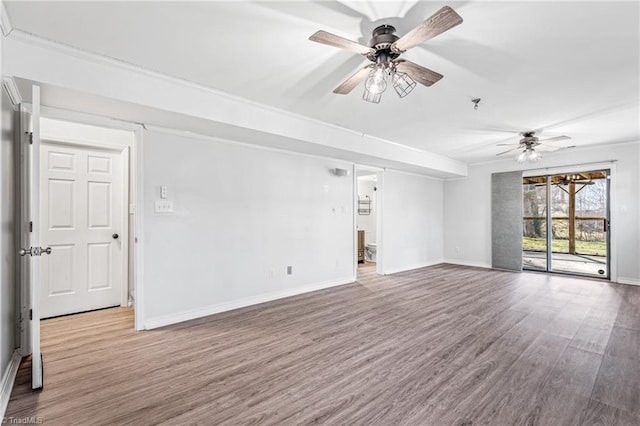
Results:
<point x="566" y="67"/>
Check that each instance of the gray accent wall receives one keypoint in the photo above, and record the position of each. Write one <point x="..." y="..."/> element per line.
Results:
<point x="506" y="221"/>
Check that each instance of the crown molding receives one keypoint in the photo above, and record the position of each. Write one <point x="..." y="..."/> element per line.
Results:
<point x="5" y="22"/>
<point x="11" y="88"/>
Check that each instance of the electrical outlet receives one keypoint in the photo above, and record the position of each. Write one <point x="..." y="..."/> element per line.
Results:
<point x="163" y="192"/>
<point x="457" y="249"/>
<point x="272" y="273"/>
<point x="164" y="206"/>
<point x="289" y="270"/>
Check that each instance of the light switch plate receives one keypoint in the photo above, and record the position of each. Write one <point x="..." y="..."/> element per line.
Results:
<point x="164" y="206"/>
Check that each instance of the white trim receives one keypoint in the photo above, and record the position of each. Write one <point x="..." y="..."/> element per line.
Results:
<point x="412" y="267"/>
<point x="5" y="22"/>
<point x="88" y="119"/>
<point x="8" y="379"/>
<point x="11" y="88"/>
<point x="380" y="251"/>
<point x="467" y="263"/>
<point x="138" y="254"/>
<point x="628" y="281"/>
<point x="125" y="158"/>
<point x="241" y="303"/>
<point x="354" y="202"/>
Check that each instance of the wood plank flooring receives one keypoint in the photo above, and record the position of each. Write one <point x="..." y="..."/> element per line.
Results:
<point x="444" y="345"/>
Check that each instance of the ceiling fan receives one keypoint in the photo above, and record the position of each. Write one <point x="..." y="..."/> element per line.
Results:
<point x="384" y="51"/>
<point x="529" y="143"/>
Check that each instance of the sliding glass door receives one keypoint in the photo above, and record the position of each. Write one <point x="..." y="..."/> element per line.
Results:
<point x="566" y="223"/>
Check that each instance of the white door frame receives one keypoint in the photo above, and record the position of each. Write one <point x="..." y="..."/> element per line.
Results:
<point x="133" y="154"/>
<point x="124" y="194"/>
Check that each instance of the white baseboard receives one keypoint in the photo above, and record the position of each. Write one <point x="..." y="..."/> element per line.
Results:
<point x="412" y="267"/>
<point x="242" y="303"/>
<point x="7" y="381"/>
<point x="630" y="281"/>
<point x="468" y="263"/>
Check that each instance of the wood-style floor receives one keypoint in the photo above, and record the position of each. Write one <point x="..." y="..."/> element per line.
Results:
<point x="442" y="345"/>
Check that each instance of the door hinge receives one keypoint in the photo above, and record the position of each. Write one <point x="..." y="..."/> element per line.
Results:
<point x="30" y="226"/>
<point x="30" y="314"/>
<point x="30" y="137"/>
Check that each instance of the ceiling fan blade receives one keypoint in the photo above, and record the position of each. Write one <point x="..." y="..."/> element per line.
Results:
<point x="349" y="84"/>
<point x="508" y="151"/>
<point x="419" y="73"/>
<point x="556" y="138"/>
<point x="341" y="42"/>
<point x="507" y="144"/>
<point x="441" y="21"/>
<point x="543" y="147"/>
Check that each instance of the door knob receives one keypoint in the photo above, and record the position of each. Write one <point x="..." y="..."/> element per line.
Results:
<point x="115" y="236"/>
<point x="34" y="251"/>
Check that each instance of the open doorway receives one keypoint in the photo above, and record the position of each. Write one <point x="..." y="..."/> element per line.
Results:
<point x="368" y="190"/>
<point x="86" y="198"/>
<point x="86" y="204"/>
<point x="566" y="223"/>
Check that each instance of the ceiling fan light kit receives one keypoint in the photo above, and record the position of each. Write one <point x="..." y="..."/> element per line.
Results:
<point x="372" y="97"/>
<point x="528" y="155"/>
<point x="384" y="50"/>
<point x="403" y="83"/>
<point x="376" y="83"/>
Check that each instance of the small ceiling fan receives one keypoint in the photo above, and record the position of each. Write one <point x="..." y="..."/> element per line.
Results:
<point x="529" y="143"/>
<point x="384" y="51"/>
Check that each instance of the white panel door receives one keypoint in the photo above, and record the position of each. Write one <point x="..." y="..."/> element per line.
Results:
<point x="81" y="220"/>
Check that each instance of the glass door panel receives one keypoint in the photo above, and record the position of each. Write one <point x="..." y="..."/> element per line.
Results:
<point x="534" y="224"/>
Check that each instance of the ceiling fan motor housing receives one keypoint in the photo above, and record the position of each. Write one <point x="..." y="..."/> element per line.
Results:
<point x="529" y="139"/>
<point x="382" y="39"/>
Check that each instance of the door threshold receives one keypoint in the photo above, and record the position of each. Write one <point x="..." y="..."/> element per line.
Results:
<point x="81" y="312"/>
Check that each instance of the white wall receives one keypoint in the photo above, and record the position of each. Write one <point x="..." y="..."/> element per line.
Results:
<point x="467" y="206"/>
<point x="240" y="214"/>
<point x="7" y="241"/>
<point x="367" y="222"/>
<point x="412" y="208"/>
